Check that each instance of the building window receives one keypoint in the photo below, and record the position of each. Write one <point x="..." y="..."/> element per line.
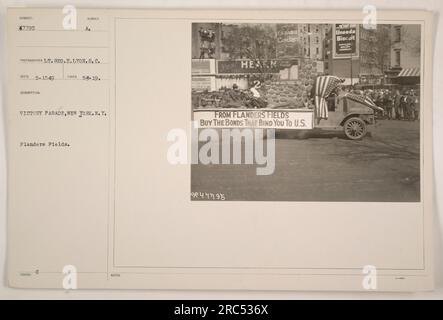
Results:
<point x="317" y="40"/>
<point x="397" y="56"/>
<point x="317" y="50"/>
<point x="397" y="34"/>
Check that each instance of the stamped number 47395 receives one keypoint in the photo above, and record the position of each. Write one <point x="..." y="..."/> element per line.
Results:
<point x="208" y="196"/>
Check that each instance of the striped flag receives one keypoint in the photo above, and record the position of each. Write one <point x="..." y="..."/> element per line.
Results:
<point x="324" y="85"/>
<point x="364" y="100"/>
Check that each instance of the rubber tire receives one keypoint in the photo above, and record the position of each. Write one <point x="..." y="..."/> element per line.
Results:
<point x="354" y="121"/>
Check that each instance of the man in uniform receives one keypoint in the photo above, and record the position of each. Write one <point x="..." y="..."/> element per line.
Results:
<point x="234" y="98"/>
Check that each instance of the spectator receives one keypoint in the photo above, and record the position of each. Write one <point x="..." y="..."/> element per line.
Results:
<point x="387" y="103"/>
<point x="234" y="97"/>
<point x="415" y="105"/>
<point x="409" y="106"/>
<point x="397" y="103"/>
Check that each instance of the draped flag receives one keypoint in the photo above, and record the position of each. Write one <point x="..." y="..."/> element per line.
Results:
<point x="324" y="85"/>
<point x="364" y="100"/>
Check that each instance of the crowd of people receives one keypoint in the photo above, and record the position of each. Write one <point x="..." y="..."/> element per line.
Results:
<point x="398" y="104"/>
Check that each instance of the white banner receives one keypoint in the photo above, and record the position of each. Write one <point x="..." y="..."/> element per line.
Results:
<point x="253" y="118"/>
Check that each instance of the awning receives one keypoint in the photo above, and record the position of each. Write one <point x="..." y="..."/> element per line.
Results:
<point x="409" y="72"/>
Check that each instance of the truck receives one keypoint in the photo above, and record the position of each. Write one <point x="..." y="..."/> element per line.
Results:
<point x="351" y="115"/>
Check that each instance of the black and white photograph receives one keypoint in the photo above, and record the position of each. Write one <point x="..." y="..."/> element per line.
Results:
<point x="234" y="152"/>
<point x="318" y="112"/>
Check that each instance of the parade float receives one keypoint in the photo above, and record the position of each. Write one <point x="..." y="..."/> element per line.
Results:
<point x="328" y="109"/>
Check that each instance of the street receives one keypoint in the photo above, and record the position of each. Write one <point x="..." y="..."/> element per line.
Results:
<point x="384" y="166"/>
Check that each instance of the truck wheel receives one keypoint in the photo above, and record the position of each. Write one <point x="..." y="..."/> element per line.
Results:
<point x="355" y="128"/>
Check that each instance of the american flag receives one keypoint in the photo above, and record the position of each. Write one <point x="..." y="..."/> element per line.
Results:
<point x="324" y="85"/>
<point x="364" y="100"/>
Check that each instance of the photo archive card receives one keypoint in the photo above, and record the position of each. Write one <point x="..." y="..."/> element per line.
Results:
<point x="220" y="149"/>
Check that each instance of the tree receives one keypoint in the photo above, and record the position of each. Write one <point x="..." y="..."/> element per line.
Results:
<point x="255" y="42"/>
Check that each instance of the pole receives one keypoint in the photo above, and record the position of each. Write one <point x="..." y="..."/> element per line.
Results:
<point x="351" y="70"/>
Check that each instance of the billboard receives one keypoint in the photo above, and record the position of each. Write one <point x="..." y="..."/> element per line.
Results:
<point x="345" y="41"/>
<point x="253" y="66"/>
<point x="203" y="66"/>
<point x="247" y="66"/>
<point x="264" y="119"/>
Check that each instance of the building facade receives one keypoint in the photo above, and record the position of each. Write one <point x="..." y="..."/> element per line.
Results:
<point x="364" y="56"/>
<point x="405" y="49"/>
<point x="358" y="54"/>
<point x="301" y="41"/>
